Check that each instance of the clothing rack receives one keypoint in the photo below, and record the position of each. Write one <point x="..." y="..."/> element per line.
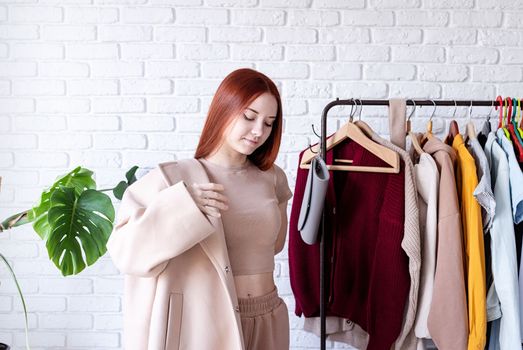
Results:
<point x="323" y="153"/>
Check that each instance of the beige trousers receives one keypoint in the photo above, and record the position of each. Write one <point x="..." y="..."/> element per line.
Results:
<point x="265" y="322"/>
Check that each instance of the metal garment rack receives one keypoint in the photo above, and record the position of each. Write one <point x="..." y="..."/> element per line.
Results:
<point x="323" y="152"/>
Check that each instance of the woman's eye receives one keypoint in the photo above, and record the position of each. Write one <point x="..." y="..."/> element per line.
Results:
<point x="251" y="119"/>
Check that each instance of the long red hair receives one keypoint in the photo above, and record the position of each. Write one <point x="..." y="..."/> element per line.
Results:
<point x="234" y="94"/>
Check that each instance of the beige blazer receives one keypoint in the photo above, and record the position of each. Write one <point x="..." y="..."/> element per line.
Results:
<point x="179" y="290"/>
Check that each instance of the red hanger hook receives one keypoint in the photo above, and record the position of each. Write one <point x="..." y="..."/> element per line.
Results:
<point x="509" y="114"/>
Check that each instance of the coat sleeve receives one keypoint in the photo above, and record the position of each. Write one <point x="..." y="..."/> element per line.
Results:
<point x="147" y="235"/>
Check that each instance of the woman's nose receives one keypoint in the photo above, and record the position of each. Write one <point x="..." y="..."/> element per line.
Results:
<point x="256" y="130"/>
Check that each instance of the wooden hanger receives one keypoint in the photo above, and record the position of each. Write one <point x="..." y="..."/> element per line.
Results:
<point x="428" y="134"/>
<point x="351" y="131"/>
<point x="471" y="129"/>
<point x="414" y="141"/>
<point x="368" y="131"/>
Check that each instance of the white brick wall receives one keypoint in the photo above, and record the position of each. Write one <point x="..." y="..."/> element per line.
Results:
<point x="111" y="83"/>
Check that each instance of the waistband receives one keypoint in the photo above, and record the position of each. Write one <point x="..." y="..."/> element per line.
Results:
<point x="250" y="307"/>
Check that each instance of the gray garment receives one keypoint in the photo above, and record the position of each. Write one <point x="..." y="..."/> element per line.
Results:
<point x="483" y="192"/>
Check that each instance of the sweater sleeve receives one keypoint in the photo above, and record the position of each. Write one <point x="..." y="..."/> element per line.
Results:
<point x="147" y="235"/>
<point x="283" y="192"/>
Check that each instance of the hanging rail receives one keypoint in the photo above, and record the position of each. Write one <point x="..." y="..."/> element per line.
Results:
<point x="323" y="148"/>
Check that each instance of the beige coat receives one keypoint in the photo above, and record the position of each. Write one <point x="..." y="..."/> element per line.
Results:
<point x="447" y="321"/>
<point x="179" y="288"/>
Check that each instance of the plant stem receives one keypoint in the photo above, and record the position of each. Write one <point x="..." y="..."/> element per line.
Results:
<point x="21" y="297"/>
<point x="14" y="220"/>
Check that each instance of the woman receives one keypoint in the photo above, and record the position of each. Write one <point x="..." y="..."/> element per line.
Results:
<point x="196" y="238"/>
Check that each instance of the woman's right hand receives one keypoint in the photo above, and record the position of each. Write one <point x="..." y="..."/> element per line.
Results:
<point x="208" y="198"/>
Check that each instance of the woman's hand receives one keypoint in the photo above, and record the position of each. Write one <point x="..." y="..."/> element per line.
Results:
<point x="208" y="198"/>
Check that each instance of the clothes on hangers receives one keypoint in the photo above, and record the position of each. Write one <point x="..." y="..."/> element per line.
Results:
<point x="483" y="191"/>
<point x="503" y="292"/>
<point x="479" y="196"/>
<point x="467" y="181"/>
<point x="516" y="177"/>
<point x="516" y="196"/>
<point x="427" y="180"/>
<point x="486" y="128"/>
<point x="411" y="243"/>
<point x="367" y="274"/>
<point x="355" y="335"/>
<point x="448" y="319"/>
<point x="485" y="197"/>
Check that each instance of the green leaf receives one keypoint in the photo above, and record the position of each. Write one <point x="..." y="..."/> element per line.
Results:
<point x="79" y="179"/>
<point x="122" y="185"/>
<point x="129" y="175"/>
<point x="120" y="189"/>
<point x="76" y="222"/>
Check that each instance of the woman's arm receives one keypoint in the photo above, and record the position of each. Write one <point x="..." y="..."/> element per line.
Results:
<point x="147" y="235"/>
<point x="280" y="241"/>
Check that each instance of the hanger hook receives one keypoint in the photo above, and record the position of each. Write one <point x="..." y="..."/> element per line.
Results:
<point x="351" y="116"/>
<point x="489" y="112"/>
<point x="470" y="111"/>
<point x="314" y="131"/>
<point x="413" y="110"/>
<point x="310" y="148"/>
<point x="433" y="111"/>
<point x="361" y="107"/>
<point x="455" y="109"/>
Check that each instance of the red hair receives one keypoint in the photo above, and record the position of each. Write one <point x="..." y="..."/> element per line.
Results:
<point x="234" y="94"/>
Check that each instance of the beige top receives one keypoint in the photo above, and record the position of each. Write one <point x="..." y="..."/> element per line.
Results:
<point x="252" y="222"/>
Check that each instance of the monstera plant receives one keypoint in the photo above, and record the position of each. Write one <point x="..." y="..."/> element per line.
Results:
<point x="74" y="219"/>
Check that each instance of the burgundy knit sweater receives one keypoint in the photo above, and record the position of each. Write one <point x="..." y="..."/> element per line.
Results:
<point x="367" y="277"/>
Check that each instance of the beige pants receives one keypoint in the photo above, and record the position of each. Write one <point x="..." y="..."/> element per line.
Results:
<point x="265" y="322"/>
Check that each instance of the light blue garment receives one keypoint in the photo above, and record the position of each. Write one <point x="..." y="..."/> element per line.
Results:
<point x="506" y="334"/>
<point x="516" y="191"/>
<point x="516" y="177"/>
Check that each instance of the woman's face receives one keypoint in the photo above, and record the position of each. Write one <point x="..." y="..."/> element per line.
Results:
<point x="252" y="126"/>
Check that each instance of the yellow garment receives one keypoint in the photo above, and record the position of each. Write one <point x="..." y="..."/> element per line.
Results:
<point x="474" y="248"/>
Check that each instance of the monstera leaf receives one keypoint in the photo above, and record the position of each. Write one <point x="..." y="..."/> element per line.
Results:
<point x="77" y="222"/>
<point x="73" y="218"/>
<point x="79" y="178"/>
